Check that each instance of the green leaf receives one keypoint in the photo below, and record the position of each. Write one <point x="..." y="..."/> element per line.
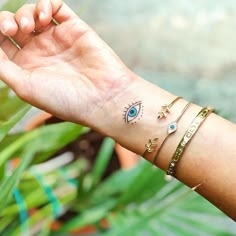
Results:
<point x="4" y="92"/>
<point x="31" y="189"/>
<point x="121" y="179"/>
<point x="168" y="212"/>
<point x="44" y="214"/>
<point x="5" y="222"/>
<point x="13" y="5"/>
<point x="57" y="135"/>
<point x="6" y="126"/>
<point x="8" y="185"/>
<point x="148" y="177"/>
<point x="102" y="159"/>
<point x="11" y="107"/>
<point x="89" y="216"/>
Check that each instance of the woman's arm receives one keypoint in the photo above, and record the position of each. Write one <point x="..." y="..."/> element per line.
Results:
<point x="209" y="160"/>
<point x="69" y="71"/>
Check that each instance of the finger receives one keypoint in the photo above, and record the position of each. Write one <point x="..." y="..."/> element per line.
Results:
<point x="44" y="12"/>
<point x="14" y="76"/>
<point x="59" y="11"/>
<point x="62" y="12"/>
<point x="9" y="48"/>
<point x="8" y="25"/>
<point x="25" y="18"/>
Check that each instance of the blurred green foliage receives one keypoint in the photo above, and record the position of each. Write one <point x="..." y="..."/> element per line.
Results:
<point x="13" y="5"/>
<point x="133" y="202"/>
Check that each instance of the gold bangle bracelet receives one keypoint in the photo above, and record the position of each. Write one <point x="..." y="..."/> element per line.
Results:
<point x="153" y="143"/>
<point x="195" y="125"/>
<point x="165" y="109"/>
<point x="172" y="127"/>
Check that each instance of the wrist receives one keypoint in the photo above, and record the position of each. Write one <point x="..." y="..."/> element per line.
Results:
<point x="134" y="135"/>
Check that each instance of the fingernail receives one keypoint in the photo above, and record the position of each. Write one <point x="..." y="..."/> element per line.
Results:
<point x="5" y="26"/>
<point x="42" y="15"/>
<point x="24" y="22"/>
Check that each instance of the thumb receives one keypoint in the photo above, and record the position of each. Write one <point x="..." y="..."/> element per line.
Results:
<point x="14" y="76"/>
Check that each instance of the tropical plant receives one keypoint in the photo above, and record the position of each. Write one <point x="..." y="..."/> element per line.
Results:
<point x="38" y="188"/>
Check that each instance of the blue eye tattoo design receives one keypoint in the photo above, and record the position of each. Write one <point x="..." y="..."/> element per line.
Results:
<point x="133" y="112"/>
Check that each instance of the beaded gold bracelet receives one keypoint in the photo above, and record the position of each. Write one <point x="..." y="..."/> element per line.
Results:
<point x="195" y="125"/>
<point x="172" y="127"/>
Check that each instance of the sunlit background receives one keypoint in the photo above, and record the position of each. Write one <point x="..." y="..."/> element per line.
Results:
<point x="185" y="46"/>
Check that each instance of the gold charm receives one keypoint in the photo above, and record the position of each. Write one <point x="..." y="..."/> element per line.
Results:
<point x="151" y="144"/>
<point x="165" y="109"/>
<point x="172" y="127"/>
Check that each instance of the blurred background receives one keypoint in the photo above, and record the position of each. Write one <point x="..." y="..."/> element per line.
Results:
<point x="186" y="47"/>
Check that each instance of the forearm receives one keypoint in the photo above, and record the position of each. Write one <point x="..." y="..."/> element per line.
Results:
<point x="80" y="79"/>
<point x="209" y="159"/>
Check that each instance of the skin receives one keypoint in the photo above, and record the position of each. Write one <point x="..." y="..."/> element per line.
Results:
<point x="81" y="63"/>
<point x="68" y="71"/>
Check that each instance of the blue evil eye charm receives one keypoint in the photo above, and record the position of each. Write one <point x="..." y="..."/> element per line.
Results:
<point x="172" y="127"/>
<point x="133" y="112"/>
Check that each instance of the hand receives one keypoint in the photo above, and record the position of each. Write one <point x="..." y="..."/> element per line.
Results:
<point x="64" y="69"/>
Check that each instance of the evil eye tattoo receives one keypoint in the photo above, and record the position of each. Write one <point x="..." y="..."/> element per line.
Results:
<point x="133" y="112"/>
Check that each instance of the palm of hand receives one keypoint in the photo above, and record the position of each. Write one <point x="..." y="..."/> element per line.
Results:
<point x="70" y="63"/>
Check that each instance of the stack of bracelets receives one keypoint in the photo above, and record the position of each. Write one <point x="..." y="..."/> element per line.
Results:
<point x="172" y="128"/>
